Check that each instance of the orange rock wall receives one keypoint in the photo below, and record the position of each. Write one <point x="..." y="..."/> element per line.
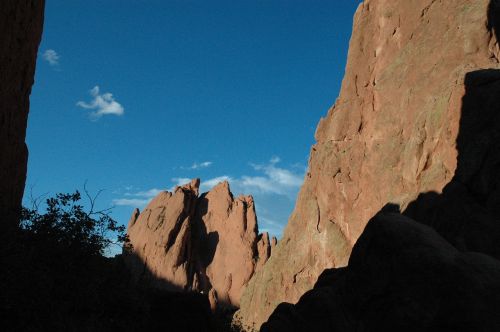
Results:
<point x="207" y="243"/>
<point x="391" y="135"/>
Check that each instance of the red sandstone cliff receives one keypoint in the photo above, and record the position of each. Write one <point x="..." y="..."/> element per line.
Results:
<point x="208" y="243"/>
<point x="415" y="114"/>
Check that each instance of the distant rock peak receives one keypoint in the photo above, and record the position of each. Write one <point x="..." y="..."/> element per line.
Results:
<point x="207" y="243"/>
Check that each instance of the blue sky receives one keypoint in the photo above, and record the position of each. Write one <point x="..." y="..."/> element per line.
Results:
<point x="138" y="96"/>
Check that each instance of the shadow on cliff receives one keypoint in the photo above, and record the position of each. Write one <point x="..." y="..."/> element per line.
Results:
<point x="144" y="276"/>
<point x="165" y="306"/>
<point x="467" y="212"/>
<point x="494" y="18"/>
<point x="47" y="289"/>
<point x="210" y="240"/>
<point x="402" y="276"/>
<point x="405" y="276"/>
<point x="170" y="307"/>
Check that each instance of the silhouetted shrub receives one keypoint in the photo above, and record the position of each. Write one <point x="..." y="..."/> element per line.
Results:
<point x="55" y="277"/>
<point x="66" y="225"/>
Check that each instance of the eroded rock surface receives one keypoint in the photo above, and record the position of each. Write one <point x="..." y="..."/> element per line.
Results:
<point x="417" y="113"/>
<point x="402" y="276"/>
<point x="161" y="239"/>
<point x="207" y="243"/>
<point x="21" y="24"/>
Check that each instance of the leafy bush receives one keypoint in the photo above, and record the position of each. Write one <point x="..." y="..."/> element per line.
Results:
<point x="55" y="277"/>
<point x="66" y="224"/>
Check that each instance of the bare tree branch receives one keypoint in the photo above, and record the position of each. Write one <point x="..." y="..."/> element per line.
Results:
<point x="35" y="201"/>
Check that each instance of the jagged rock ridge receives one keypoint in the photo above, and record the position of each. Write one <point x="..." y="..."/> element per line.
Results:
<point x="417" y="113"/>
<point x="207" y="243"/>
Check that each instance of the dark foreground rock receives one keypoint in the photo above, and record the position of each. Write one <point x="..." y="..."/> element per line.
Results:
<point x="48" y="288"/>
<point x="21" y="24"/>
<point x="402" y="276"/>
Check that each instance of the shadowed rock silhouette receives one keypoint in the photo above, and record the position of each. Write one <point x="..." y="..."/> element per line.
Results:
<point x="55" y="278"/>
<point x="20" y="34"/>
<point x="402" y="276"/>
<point x="467" y="212"/>
<point x="170" y="307"/>
<point x="494" y="18"/>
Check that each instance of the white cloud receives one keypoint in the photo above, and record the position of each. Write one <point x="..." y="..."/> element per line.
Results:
<point x="147" y="194"/>
<point x="103" y="104"/>
<point x="275" y="160"/>
<point x="51" y="57"/>
<point x="204" y="164"/>
<point x="275" y="180"/>
<point x="270" y="222"/>
<point x="272" y="180"/>
<point x="133" y="202"/>
<point x="138" y="199"/>
<point x="274" y="228"/>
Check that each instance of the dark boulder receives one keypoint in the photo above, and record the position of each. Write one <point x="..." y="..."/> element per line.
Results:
<point x="402" y="276"/>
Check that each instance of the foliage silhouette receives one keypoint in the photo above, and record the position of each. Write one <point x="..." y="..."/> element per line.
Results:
<point x="55" y="277"/>
<point x="67" y="225"/>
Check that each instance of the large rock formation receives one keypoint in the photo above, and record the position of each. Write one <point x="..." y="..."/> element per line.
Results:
<point x="208" y="243"/>
<point x="416" y="114"/>
<point x="21" y="24"/>
<point x="402" y="276"/>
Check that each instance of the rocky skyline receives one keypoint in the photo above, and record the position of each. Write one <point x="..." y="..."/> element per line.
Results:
<point x="396" y="225"/>
<point x="154" y="95"/>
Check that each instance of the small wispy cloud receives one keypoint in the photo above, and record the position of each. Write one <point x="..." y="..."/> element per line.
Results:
<point x="275" y="160"/>
<point x="132" y="202"/>
<point x="147" y="194"/>
<point x="204" y="164"/>
<point x="51" y="57"/>
<point x="271" y="226"/>
<point x="103" y="104"/>
<point x="137" y="199"/>
<point x="273" y="180"/>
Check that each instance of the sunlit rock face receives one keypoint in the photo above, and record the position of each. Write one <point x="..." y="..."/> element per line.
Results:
<point x="208" y="242"/>
<point x="415" y="115"/>
<point x="21" y="24"/>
